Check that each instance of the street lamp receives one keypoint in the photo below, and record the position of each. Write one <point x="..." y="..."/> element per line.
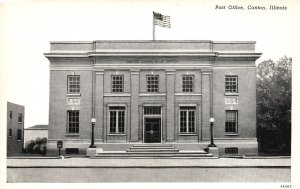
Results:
<point x="93" y="120"/>
<point x="211" y="120"/>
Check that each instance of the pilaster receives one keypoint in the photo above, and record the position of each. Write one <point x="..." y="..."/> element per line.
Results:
<point x="134" y="115"/>
<point x="170" y="84"/>
<point x="206" y="107"/>
<point x="99" y="106"/>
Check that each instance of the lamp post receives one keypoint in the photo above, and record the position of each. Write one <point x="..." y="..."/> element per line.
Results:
<point x="93" y="120"/>
<point x="211" y="120"/>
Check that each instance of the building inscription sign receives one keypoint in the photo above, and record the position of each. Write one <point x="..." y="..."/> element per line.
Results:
<point x="73" y="101"/>
<point x="231" y="100"/>
<point x="152" y="61"/>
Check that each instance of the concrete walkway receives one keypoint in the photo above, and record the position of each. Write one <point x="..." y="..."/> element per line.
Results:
<point x="87" y="162"/>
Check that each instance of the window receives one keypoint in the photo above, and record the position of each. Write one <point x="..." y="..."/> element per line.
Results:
<point x="231" y="84"/>
<point x="152" y="110"/>
<point x="231" y="151"/>
<point x="73" y="122"/>
<point x="117" y="120"/>
<point x="152" y="83"/>
<point x="187" y="83"/>
<point x="20" y="118"/>
<point x="19" y="134"/>
<point x="187" y="120"/>
<point x="10" y="114"/>
<point x="73" y="84"/>
<point x="72" y="151"/>
<point x="10" y="132"/>
<point x="117" y="83"/>
<point x="231" y="125"/>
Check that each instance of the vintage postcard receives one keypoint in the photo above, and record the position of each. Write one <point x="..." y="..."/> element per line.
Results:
<point x="149" y="93"/>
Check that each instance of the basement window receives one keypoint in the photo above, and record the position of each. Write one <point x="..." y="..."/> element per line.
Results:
<point x="72" y="151"/>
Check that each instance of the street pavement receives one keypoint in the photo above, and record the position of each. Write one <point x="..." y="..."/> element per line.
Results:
<point x="85" y="170"/>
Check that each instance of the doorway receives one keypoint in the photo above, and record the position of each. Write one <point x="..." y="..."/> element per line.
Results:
<point x="152" y="131"/>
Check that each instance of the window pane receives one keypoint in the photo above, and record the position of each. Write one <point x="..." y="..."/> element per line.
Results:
<point x="113" y="121"/>
<point x="183" y="117"/>
<point x="231" y="84"/>
<point x="187" y="119"/>
<point x="19" y="134"/>
<point x="121" y="122"/>
<point x="73" y="84"/>
<point x="20" y="118"/>
<point x="73" y="121"/>
<point x="152" y="110"/>
<point x="152" y="83"/>
<point x="117" y="119"/>
<point x="187" y="83"/>
<point x="117" y="83"/>
<point x="231" y="121"/>
<point x="191" y="121"/>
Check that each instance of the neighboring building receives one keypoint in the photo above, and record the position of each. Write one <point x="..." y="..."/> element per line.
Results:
<point x="153" y="92"/>
<point x="34" y="132"/>
<point x="15" y="128"/>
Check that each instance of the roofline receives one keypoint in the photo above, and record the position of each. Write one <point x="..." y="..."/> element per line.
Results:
<point x="155" y="41"/>
<point x="36" y="128"/>
<point x="16" y="104"/>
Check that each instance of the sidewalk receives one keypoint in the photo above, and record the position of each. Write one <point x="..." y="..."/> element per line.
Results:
<point x="205" y="163"/>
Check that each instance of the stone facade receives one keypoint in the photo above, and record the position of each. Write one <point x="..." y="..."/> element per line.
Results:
<point x="182" y="115"/>
<point x="15" y="129"/>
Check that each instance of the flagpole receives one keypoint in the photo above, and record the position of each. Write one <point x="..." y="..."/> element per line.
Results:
<point x="153" y="27"/>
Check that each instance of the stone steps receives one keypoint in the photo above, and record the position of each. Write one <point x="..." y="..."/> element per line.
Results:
<point x="153" y="151"/>
<point x="152" y="148"/>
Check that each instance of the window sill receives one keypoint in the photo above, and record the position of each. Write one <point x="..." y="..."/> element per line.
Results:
<point x="18" y="140"/>
<point x="74" y="94"/>
<point x="117" y="134"/>
<point x="72" y="135"/>
<point x="20" y="122"/>
<point x="152" y="94"/>
<point x="188" y="94"/>
<point x="231" y="94"/>
<point x="232" y="134"/>
<point x="188" y="134"/>
<point x="117" y="94"/>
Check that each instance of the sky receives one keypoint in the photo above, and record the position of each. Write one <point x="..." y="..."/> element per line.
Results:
<point x="27" y="26"/>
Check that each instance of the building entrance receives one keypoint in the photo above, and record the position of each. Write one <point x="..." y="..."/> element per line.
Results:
<point x="152" y="130"/>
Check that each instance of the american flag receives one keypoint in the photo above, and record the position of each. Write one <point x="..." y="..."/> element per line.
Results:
<point x="161" y="20"/>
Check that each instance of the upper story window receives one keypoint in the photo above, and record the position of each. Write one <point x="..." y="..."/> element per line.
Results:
<point x="10" y="114"/>
<point x="187" y="120"/>
<point x="20" y="118"/>
<point x="231" y="124"/>
<point x="231" y="84"/>
<point x="187" y="83"/>
<point x="117" y="83"/>
<point x="117" y="120"/>
<point x="73" y="122"/>
<point x="152" y="83"/>
<point x="73" y="84"/>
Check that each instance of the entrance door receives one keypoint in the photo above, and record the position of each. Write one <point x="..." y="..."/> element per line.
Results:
<point x="152" y="130"/>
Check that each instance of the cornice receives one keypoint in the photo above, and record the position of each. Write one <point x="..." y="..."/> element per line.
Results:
<point x="151" y="53"/>
<point x="216" y="55"/>
<point x="239" y="55"/>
